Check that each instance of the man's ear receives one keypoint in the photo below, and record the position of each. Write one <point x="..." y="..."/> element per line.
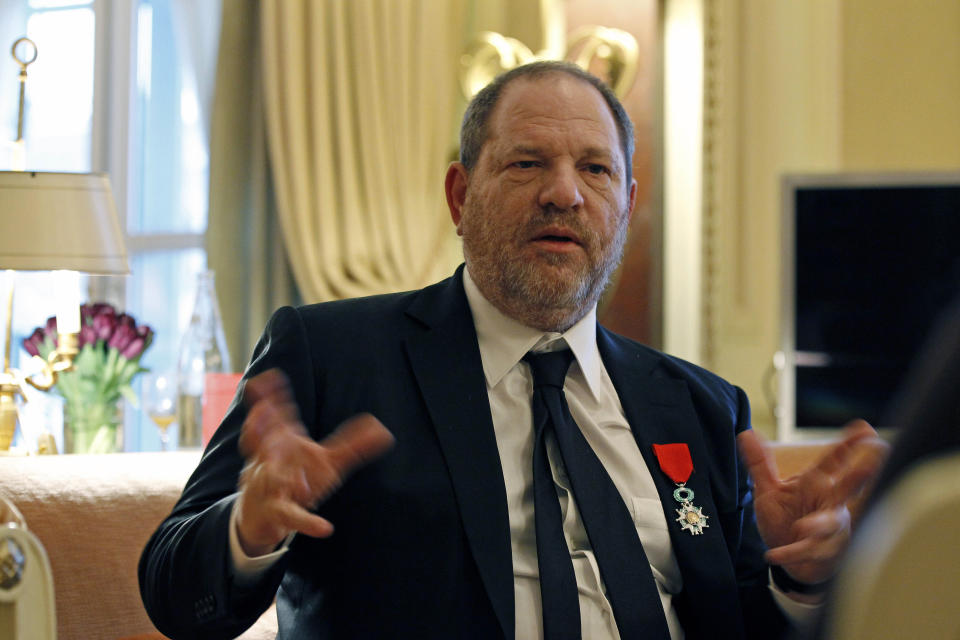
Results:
<point x="633" y="198"/>
<point x="456" y="188"/>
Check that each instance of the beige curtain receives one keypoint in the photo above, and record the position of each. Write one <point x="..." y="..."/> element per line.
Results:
<point x="332" y="125"/>
<point x="362" y="105"/>
<point x="244" y="244"/>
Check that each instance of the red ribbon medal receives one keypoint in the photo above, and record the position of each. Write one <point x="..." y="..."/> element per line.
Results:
<point x="675" y="461"/>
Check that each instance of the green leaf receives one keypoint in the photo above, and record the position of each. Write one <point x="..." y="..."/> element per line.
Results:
<point x="127" y="392"/>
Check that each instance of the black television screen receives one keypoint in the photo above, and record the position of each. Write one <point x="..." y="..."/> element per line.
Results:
<point x="870" y="262"/>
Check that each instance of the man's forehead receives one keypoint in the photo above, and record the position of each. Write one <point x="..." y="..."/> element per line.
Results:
<point x="551" y="104"/>
<point x="554" y="92"/>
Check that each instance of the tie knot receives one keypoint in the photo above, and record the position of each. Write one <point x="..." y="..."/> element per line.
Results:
<point x="549" y="368"/>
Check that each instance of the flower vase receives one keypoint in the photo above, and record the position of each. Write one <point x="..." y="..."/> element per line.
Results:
<point x="92" y="427"/>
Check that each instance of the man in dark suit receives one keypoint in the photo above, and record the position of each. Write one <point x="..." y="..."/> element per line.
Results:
<point x="438" y="537"/>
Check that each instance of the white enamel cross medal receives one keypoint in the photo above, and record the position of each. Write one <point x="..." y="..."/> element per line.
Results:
<point x="691" y="517"/>
<point x="676" y="462"/>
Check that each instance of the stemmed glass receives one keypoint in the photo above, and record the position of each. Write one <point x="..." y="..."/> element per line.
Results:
<point x="160" y="403"/>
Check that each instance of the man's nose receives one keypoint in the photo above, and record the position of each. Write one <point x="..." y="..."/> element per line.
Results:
<point x="561" y="189"/>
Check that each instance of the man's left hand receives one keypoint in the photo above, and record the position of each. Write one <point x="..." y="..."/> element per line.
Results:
<point x="805" y="520"/>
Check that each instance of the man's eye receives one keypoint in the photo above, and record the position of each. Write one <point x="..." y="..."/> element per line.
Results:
<point x="525" y="164"/>
<point x="596" y="169"/>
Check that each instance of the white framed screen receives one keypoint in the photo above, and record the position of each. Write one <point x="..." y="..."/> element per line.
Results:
<point x="868" y="263"/>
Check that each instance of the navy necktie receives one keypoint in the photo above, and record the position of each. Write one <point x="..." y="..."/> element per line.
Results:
<point x="624" y="567"/>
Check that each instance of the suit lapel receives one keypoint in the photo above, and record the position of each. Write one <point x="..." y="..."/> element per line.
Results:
<point x="659" y="410"/>
<point x="455" y="394"/>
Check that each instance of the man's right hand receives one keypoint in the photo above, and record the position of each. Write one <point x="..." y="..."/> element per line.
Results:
<point x="288" y="473"/>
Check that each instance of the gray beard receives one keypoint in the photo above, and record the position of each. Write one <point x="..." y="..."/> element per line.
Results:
<point x="527" y="292"/>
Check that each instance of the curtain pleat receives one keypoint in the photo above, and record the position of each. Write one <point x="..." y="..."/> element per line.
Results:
<point x="244" y="242"/>
<point x="361" y="100"/>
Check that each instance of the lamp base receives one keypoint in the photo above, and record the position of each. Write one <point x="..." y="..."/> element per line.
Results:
<point x="8" y="415"/>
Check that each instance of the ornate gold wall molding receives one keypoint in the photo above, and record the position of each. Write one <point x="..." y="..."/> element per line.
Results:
<point x="711" y="164"/>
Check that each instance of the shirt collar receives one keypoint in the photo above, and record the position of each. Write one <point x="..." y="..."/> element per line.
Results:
<point x="503" y="341"/>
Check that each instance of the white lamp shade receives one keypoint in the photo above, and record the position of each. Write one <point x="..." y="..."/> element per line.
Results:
<point x="59" y="221"/>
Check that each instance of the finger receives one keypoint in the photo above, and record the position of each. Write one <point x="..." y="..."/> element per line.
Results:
<point x="271" y="409"/>
<point x="271" y="383"/>
<point x="857" y="428"/>
<point x="267" y="419"/>
<point x="863" y="467"/>
<point x="283" y="478"/>
<point x="275" y="408"/>
<point x="817" y="537"/>
<point x="760" y="462"/>
<point x="822" y="524"/>
<point x="260" y="534"/>
<point x="854" y="462"/>
<point x="296" y="518"/>
<point x="356" y="442"/>
<point x="837" y="455"/>
<point x="808" y="550"/>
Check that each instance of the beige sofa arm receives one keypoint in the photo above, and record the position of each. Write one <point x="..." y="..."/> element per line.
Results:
<point x="94" y="514"/>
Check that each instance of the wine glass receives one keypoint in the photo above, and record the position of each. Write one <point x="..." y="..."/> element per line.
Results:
<point x="160" y="402"/>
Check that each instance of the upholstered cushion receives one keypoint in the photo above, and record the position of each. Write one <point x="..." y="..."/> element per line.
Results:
<point x="94" y="514"/>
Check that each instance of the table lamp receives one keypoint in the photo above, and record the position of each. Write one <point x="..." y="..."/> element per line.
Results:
<point x="51" y="222"/>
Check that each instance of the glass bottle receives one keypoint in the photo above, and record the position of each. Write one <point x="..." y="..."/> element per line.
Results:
<point x="203" y="351"/>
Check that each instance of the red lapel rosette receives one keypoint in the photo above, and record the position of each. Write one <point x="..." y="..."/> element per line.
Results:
<point x="675" y="460"/>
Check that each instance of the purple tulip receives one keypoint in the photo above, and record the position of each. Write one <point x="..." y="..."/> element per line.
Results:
<point x="126" y="320"/>
<point x="87" y="335"/>
<point x="122" y="336"/>
<point x="144" y="331"/>
<point x="32" y="344"/>
<point x="104" y="324"/>
<point x="50" y="330"/>
<point x="30" y="347"/>
<point x="133" y="349"/>
<point x="91" y="310"/>
<point x="144" y="336"/>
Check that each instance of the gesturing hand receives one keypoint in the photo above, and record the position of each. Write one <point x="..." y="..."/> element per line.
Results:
<point x="288" y="473"/>
<point x="805" y="520"/>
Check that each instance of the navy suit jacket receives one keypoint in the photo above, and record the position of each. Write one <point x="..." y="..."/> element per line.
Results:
<point x="422" y="541"/>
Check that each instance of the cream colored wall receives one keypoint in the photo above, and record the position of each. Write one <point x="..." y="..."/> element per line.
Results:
<point x="901" y="88"/>
<point x="520" y="19"/>
<point x="806" y="86"/>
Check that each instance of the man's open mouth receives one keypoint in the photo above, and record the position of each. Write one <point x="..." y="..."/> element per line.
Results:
<point x="557" y="236"/>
